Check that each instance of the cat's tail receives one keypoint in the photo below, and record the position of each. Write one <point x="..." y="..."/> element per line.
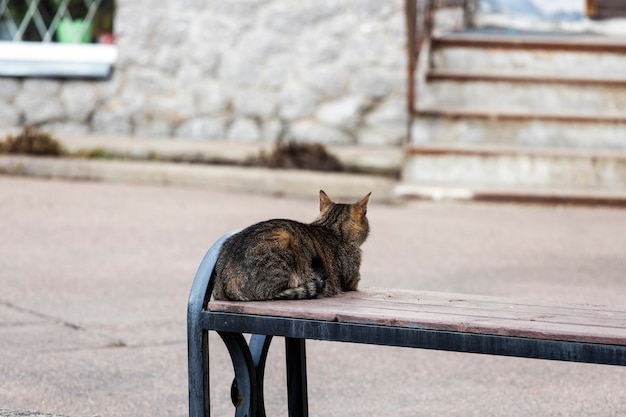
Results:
<point x="309" y="289"/>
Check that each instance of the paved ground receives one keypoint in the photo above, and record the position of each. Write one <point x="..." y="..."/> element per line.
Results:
<point x="94" y="279"/>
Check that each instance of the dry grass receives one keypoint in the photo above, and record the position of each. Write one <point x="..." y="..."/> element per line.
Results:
<point x="300" y="155"/>
<point x="31" y="141"/>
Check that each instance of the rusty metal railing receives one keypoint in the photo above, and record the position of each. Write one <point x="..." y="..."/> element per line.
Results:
<point x="419" y="25"/>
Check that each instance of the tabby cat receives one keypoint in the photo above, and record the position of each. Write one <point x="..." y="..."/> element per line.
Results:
<point x="285" y="259"/>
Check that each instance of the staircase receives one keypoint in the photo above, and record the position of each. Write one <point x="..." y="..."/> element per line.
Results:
<point x="524" y="114"/>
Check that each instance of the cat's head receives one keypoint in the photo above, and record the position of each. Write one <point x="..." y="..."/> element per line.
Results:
<point x="350" y="220"/>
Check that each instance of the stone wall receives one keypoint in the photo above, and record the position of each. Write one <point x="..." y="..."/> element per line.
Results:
<point x="330" y="71"/>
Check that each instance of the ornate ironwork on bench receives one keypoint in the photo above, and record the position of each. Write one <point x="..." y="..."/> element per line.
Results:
<point x="452" y="322"/>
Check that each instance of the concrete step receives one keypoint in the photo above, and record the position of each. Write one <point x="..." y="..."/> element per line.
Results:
<point x="452" y="126"/>
<point x="575" y="55"/>
<point x="515" y="168"/>
<point x="512" y="195"/>
<point x="514" y="95"/>
<point x="564" y="91"/>
<point x="520" y="113"/>
<point x="493" y="75"/>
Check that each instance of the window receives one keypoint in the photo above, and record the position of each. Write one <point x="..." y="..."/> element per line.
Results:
<point x="56" y="38"/>
<point x="602" y="9"/>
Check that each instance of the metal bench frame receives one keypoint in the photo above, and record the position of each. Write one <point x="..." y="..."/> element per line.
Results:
<point x="249" y="359"/>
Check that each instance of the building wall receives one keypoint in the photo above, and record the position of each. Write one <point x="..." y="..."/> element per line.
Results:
<point x="330" y="71"/>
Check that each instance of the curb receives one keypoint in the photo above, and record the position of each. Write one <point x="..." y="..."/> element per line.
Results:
<point x="385" y="161"/>
<point x="295" y="183"/>
<point x="24" y="413"/>
<point x="243" y="179"/>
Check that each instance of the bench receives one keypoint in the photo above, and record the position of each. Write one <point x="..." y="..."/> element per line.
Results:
<point x="417" y="319"/>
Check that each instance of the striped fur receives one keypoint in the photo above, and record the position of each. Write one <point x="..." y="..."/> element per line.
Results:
<point x="286" y="259"/>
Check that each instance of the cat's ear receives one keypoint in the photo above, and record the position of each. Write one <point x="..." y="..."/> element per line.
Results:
<point x="361" y="205"/>
<point x="325" y="201"/>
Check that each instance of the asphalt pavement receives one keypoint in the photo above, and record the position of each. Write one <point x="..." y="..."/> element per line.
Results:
<point x="94" y="279"/>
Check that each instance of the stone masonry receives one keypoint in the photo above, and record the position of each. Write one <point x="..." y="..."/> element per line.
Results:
<point x="328" y="71"/>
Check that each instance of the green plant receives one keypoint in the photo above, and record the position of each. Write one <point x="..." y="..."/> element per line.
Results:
<point x="100" y="153"/>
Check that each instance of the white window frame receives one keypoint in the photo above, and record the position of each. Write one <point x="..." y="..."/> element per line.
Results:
<point x="39" y="59"/>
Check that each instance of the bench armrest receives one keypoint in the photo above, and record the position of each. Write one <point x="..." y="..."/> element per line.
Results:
<point x="202" y="286"/>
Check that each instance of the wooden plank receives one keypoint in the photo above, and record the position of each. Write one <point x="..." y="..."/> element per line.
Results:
<point x="594" y="315"/>
<point x="454" y="312"/>
<point x="413" y="296"/>
<point x="512" y="311"/>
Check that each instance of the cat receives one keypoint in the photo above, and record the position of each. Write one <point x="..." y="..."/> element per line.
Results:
<point x="285" y="259"/>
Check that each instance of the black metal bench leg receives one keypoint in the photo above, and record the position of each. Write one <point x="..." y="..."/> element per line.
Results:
<point x="244" y="389"/>
<point x="198" y="350"/>
<point x="259" y="346"/>
<point x="296" y="377"/>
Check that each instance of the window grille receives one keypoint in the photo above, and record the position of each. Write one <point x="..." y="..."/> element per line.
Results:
<point x="65" y="21"/>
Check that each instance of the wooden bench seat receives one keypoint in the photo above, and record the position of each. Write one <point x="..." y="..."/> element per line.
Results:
<point x="452" y="312"/>
<point x="418" y="319"/>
